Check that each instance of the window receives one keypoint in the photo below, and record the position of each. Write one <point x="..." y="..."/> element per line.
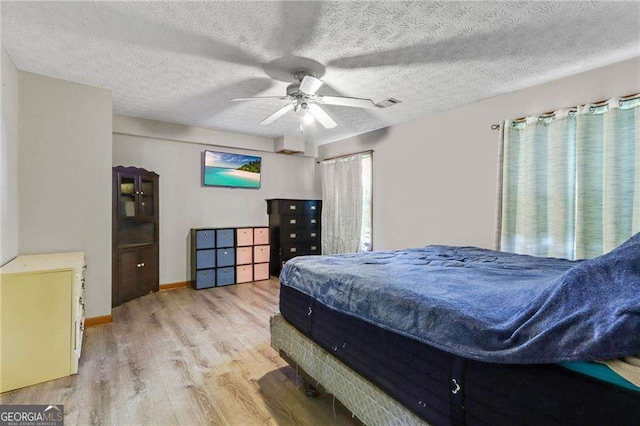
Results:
<point x="571" y="180"/>
<point x="346" y="203"/>
<point x="366" y="237"/>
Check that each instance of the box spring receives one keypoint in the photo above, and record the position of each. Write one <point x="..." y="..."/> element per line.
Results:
<point x="426" y="380"/>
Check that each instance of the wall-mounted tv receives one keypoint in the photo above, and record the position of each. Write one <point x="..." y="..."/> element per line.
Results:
<point x="231" y="170"/>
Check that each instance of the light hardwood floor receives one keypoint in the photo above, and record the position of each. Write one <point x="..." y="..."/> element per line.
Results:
<point x="185" y="357"/>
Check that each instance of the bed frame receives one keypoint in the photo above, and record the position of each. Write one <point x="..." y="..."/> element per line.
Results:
<point x="365" y="400"/>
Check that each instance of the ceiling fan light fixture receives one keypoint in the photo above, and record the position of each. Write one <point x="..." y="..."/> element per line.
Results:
<point x="307" y="119"/>
<point x="303" y="96"/>
<point x="388" y="103"/>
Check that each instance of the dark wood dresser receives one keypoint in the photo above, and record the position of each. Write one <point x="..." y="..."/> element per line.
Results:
<point x="294" y="230"/>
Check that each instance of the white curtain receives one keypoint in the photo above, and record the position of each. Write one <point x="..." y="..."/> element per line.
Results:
<point x="571" y="180"/>
<point x="342" y="204"/>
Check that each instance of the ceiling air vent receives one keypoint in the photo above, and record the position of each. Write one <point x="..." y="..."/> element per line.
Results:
<point x="289" y="145"/>
<point x="388" y="103"/>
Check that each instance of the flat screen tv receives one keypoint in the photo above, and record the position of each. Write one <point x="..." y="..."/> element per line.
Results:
<point x="231" y="170"/>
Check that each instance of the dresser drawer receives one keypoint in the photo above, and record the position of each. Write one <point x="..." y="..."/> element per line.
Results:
<point x="244" y="236"/>
<point x="294" y="235"/>
<point x="261" y="254"/>
<point x="225" y="276"/>
<point x="292" y="250"/>
<point x="288" y="236"/>
<point x="205" y="239"/>
<point x="260" y="236"/>
<point x="260" y="271"/>
<point x="314" y="248"/>
<point x="312" y="207"/>
<point x="292" y="207"/>
<point x="205" y="259"/>
<point x="289" y="222"/>
<point x="244" y="255"/>
<point x="224" y="238"/>
<point x="301" y="222"/>
<point x="303" y="248"/>
<point x="244" y="274"/>
<point x="206" y="278"/>
<point x="225" y="257"/>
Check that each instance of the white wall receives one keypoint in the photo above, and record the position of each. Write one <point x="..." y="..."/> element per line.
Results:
<point x="9" y="161"/>
<point x="185" y="204"/>
<point x="436" y="177"/>
<point x="64" y="164"/>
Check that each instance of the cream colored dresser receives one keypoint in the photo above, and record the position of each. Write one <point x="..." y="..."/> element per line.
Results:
<point x="41" y="318"/>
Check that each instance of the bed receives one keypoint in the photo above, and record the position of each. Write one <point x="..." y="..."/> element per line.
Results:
<point x="461" y="335"/>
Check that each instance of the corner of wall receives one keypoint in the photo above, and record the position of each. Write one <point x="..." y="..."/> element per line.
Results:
<point x="9" y="217"/>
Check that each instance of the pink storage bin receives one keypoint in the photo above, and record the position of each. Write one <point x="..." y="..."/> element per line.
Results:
<point x="260" y="254"/>
<point x="260" y="236"/>
<point x="261" y="271"/>
<point x="244" y="255"/>
<point x="244" y="236"/>
<point x="244" y="274"/>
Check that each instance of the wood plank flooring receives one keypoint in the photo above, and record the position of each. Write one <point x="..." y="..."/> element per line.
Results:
<point x="185" y="357"/>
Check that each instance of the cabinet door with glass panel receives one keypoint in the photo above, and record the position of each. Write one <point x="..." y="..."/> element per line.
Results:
<point x="136" y="197"/>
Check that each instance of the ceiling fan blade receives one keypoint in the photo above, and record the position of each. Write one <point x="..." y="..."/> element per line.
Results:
<point x="259" y="98"/>
<point x="320" y="115"/>
<point x="279" y="113"/>
<point x="310" y="85"/>
<point x="346" y="101"/>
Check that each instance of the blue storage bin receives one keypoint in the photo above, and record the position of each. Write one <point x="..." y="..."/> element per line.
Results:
<point x="206" y="278"/>
<point x="225" y="276"/>
<point x="205" y="259"/>
<point x="225" y="238"/>
<point x="205" y="239"/>
<point x="226" y="257"/>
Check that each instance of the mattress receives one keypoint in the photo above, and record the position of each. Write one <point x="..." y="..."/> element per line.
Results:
<point x="443" y="389"/>
<point x="487" y="305"/>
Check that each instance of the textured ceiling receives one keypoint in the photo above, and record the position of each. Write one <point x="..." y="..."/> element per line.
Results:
<point x="181" y="62"/>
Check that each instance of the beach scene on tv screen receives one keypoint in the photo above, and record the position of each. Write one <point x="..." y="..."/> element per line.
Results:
<point x="239" y="171"/>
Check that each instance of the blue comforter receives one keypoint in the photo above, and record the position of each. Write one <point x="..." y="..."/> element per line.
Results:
<point x="487" y="305"/>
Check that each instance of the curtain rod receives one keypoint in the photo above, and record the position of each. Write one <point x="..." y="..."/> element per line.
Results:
<point x="624" y="98"/>
<point x="346" y="155"/>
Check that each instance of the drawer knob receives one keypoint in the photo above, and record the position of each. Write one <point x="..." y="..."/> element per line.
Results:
<point x="292" y="221"/>
<point x="313" y="247"/>
<point x="313" y="221"/>
<point x="292" y="207"/>
<point x="292" y="235"/>
<point x="293" y="250"/>
<point x="142" y="264"/>
<point x="313" y="207"/>
<point x="313" y="234"/>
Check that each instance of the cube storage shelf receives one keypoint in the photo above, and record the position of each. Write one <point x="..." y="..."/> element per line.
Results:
<point x="224" y="256"/>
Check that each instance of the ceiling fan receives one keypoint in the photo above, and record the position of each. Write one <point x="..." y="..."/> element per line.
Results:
<point x="303" y="96"/>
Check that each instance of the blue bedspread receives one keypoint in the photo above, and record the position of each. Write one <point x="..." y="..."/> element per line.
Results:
<point x="487" y="305"/>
